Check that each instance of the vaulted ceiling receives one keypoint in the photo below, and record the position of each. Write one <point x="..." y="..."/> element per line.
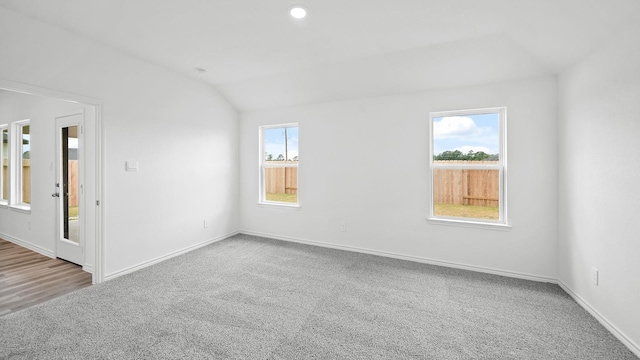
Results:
<point x="258" y="56"/>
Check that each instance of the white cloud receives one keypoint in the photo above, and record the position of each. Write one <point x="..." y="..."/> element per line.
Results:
<point x="451" y="127"/>
<point x="73" y="143"/>
<point x="293" y="153"/>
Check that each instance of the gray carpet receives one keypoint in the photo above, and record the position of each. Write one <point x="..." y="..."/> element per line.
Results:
<point x="255" y="298"/>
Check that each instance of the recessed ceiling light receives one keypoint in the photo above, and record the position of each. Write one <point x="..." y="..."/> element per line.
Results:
<point x="298" y="11"/>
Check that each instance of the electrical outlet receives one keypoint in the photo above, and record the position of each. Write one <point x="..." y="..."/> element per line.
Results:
<point x="205" y="223"/>
<point x="343" y="227"/>
<point x="594" y="276"/>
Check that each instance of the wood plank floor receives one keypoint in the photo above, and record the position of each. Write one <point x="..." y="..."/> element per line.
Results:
<point x="28" y="278"/>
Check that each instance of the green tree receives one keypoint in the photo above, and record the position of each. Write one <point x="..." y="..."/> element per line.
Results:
<point x="479" y="156"/>
<point x="449" y="155"/>
<point x="459" y="156"/>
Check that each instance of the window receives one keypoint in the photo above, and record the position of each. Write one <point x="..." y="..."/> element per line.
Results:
<point x="4" y="158"/>
<point x="468" y="166"/>
<point x="279" y="158"/>
<point x="19" y="169"/>
<point x="24" y="166"/>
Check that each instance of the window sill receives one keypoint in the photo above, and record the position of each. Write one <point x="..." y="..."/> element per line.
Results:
<point x="21" y="208"/>
<point x="469" y="224"/>
<point x="277" y="205"/>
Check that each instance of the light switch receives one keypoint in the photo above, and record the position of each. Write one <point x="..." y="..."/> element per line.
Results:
<point x="131" y="166"/>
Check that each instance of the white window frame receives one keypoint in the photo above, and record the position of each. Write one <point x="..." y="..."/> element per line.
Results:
<point x="3" y="127"/>
<point x="502" y="222"/>
<point x="15" y="164"/>
<point x="263" y="166"/>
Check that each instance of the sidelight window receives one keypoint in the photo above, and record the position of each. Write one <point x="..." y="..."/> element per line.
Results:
<point x="4" y="158"/>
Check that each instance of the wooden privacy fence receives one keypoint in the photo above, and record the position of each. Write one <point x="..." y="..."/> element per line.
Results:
<point x="26" y="181"/>
<point x="73" y="182"/>
<point x="281" y="180"/>
<point x="466" y="187"/>
<point x="5" y="177"/>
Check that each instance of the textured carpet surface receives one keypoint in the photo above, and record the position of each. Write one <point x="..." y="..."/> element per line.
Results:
<point x="255" y="298"/>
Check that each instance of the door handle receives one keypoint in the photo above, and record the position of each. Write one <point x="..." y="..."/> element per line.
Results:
<point x="55" y="195"/>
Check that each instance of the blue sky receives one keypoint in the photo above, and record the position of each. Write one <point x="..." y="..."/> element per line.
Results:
<point x="467" y="132"/>
<point x="274" y="142"/>
<point x="26" y="147"/>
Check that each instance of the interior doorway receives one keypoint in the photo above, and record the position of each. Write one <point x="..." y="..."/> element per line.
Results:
<point x="70" y="226"/>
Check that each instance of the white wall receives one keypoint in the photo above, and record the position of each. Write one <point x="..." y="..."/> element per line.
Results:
<point x="182" y="133"/>
<point x="599" y="182"/>
<point x="365" y="163"/>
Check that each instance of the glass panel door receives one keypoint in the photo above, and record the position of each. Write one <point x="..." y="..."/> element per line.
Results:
<point x="70" y="183"/>
<point x="69" y="188"/>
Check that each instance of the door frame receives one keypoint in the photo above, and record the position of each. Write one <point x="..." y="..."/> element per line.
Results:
<point x="97" y="105"/>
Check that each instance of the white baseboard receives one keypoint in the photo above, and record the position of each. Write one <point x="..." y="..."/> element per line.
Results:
<point x="423" y="260"/>
<point x="602" y="319"/>
<point x="166" y="257"/>
<point x="87" y="268"/>
<point x="24" y="244"/>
